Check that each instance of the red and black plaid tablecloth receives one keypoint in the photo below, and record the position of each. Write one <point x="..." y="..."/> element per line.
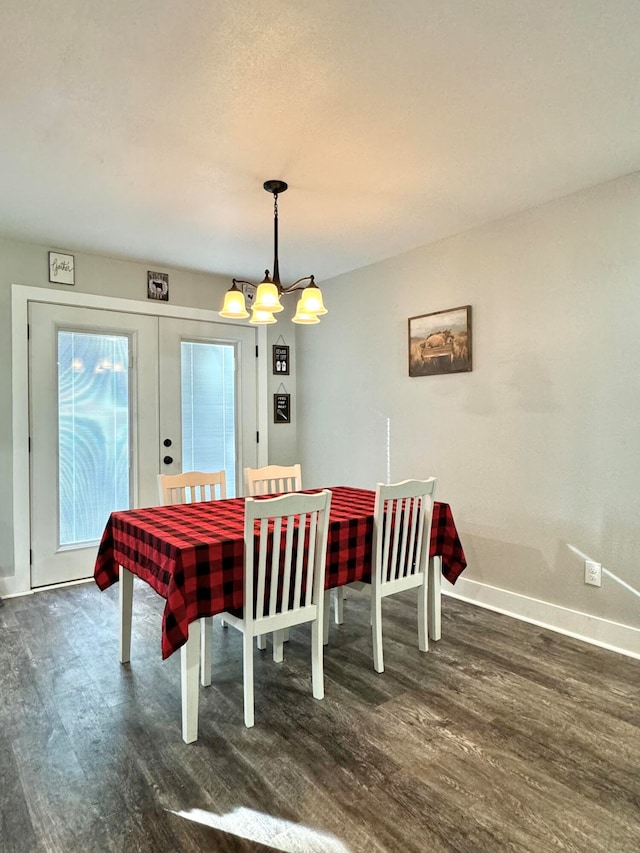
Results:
<point x="192" y="554"/>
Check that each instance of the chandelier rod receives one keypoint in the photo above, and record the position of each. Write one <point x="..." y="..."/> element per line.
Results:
<point x="277" y="187"/>
<point x="276" y="265"/>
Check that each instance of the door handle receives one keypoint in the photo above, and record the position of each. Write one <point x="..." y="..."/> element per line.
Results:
<point x="168" y="460"/>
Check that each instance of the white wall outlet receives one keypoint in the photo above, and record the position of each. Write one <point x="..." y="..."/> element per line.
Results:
<point x="592" y="573"/>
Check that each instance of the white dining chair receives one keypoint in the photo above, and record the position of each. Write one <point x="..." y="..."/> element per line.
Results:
<point x="192" y="487"/>
<point x="283" y="582"/>
<point x="272" y="479"/>
<point x="400" y="555"/>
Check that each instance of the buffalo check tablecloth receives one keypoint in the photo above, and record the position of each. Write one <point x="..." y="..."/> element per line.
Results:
<point x="192" y="554"/>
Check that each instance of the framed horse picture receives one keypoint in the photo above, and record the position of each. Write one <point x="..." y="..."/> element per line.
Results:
<point x="440" y="342"/>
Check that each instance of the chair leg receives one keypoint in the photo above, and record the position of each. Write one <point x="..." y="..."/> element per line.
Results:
<point x="326" y="612"/>
<point x="126" y="605"/>
<point x="434" y="595"/>
<point x="278" y="650"/>
<point x="247" y="678"/>
<point x="189" y="664"/>
<point x="206" y="644"/>
<point x="317" y="650"/>
<point x="338" y="603"/>
<point x="261" y="642"/>
<point x="423" y="639"/>
<point x="376" y="632"/>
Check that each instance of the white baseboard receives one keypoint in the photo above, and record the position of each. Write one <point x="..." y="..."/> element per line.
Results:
<point x="581" y="626"/>
<point x="12" y="587"/>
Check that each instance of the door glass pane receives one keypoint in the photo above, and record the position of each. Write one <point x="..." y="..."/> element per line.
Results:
<point x="93" y="433"/>
<point x="209" y="409"/>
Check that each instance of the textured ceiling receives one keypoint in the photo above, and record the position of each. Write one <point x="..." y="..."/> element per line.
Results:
<point x="145" y="129"/>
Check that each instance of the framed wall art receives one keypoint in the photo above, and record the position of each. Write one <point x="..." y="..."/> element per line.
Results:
<point x="249" y="291"/>
<point x="282" y="408"/>
<point x="440" y="342"/>
<point x="281" y="359"/>
<point x="61" y="268"/>
<point x="158" y="285"/>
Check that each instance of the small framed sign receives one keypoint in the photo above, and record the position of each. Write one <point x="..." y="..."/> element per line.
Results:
<point x="158" y="285"/>
<point x="249" y="291"/>
<point x="282" y="408"/>
<point x="61" y="268"/>
<point x="281" y="359"/>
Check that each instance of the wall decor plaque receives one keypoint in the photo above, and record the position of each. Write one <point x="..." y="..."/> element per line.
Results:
<point x="282" y="408"/>
<point x="281" y="359"/>
<point x="158" y="285"/>
<point x="61" y="268"/>
<point x="440" y="342"/>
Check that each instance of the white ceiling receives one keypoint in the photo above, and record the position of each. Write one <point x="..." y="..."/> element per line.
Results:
<point x="145" y="129"/>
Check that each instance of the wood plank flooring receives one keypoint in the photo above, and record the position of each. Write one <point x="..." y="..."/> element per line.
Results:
<point x="504" y="737"/>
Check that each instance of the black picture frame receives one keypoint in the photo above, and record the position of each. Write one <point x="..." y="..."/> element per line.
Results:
<point x="61" y="268"/>
<point x="282" y="408"/>
<point x="158" y="285"/>
<point x="280" y="360"/>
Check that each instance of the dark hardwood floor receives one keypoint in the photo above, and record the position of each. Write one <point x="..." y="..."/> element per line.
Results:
<point x="503" y="737"/>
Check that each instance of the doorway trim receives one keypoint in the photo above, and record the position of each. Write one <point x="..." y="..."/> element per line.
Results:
<point x="21" y="295"/>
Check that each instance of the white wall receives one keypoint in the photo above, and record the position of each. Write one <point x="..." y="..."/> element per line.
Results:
<point x="27" y="264"/>
<point x="536" y="449"/>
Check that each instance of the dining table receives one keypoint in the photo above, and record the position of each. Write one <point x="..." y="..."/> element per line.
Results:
<point x="192" y="555"/>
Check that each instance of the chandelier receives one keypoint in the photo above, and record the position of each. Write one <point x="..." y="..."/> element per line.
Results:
<point x="268" y="292"/>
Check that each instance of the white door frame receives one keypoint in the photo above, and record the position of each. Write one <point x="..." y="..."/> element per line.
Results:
<point x="21" y="295"/>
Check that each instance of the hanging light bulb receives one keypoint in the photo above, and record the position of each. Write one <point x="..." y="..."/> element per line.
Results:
<point x="304" y="318"/>
<point x="234" y="307"/>
<point x="267" y="296"/>
<point x="261" y="318"/>
<point x="310" y="301"/>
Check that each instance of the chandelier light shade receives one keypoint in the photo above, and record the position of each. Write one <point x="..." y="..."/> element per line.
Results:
<point x="269" y="290"/>
<point x="310" y="301"/>
<point x="263" y="318"/>
<point x="233" y="306"/>
<point x="267" y="298"/>
<point x="304" y="318"/>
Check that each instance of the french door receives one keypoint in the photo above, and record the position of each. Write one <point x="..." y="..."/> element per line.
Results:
<point x="116" y="398"/>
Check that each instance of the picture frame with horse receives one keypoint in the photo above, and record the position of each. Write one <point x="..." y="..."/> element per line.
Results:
<point x="440" y="342"/>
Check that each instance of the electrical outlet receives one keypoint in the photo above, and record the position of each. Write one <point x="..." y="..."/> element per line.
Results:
<point x="592" y="573"/>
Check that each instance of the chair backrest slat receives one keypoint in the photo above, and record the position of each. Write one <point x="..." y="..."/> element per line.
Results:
<point x="384" y="552"/>
<point x="261" y="567"/>
<point x="291" y="529"/>
<point x="402" y="526"/>
<point x="292" y="537"/>
<point x="311" y="557"/>
<point x="277" y="560"/>
<point x="297" y="591"/>
<point x="191" y="487"/>
<point x="272" y="479"/>
<point x="418" y="526"/>
<point x="398" y="529"/>
<point x="411" y="517"/>
<point x="403" y="568"/>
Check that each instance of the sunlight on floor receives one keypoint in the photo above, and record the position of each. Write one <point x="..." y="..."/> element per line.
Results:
<point x="265" y="829"/>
